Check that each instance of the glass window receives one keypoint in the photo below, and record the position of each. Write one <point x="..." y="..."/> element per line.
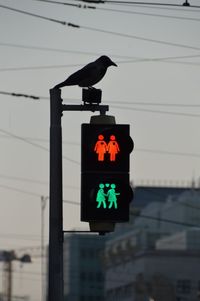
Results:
<point x="183" y="286"/>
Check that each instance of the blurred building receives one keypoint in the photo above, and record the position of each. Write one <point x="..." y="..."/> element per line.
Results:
<point x="83" y="269"/>
<point x="157" y="255"/>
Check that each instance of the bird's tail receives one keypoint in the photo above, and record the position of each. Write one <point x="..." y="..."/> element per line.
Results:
<point x="63" y="84"/>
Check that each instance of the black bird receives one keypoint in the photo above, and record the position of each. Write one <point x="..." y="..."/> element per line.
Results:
<point x="89" y="75"/>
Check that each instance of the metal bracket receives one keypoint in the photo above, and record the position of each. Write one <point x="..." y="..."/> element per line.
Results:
<point x="86" y="107"/>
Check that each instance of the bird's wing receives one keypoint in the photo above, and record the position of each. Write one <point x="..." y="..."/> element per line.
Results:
<point x="86" y="72"/>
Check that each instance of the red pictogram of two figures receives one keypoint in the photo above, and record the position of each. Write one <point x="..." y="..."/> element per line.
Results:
<point x="101" y="148"/>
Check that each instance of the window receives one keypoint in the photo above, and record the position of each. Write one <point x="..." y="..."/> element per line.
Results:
<point x="82" y="276"/>
<point x="183" y="286"/>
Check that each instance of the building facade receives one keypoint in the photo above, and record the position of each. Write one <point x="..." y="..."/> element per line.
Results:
<point x="157" y="257"/>
<point x="83" y="269"/>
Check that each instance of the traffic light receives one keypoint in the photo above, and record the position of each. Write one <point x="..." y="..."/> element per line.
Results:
<point x="105" y="188"/>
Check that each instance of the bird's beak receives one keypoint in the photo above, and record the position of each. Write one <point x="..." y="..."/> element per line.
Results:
<point x="113" y="64"/>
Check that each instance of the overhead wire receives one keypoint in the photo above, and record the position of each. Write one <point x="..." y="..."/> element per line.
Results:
<point x="60" y="50"/>
<point x="120" y="11"/>
<point x="130" y="59"/>
<point x="133" y="213"/>
<point x="158" y="111"/>
<point x="35" y="144"/>
<point x="194" y="115"/>
<point x="40" y="182"/>
<point x="149" y="14"/>
<point x="169" y="60"/>
<point x="119" y="34"/>
<point x="146" y="150"/>
<point x="33" y="193"/>
<point x="163" y="104"/>
<point x="184" y="4"/>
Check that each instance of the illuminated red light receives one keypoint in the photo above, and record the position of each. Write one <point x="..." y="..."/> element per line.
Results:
<point x="101" y="148"/>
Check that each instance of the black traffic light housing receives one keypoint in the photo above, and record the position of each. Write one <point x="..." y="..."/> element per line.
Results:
<point x="105" y="188"/>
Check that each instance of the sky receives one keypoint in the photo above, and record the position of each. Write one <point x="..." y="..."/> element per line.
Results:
<point x="155" y="89"/>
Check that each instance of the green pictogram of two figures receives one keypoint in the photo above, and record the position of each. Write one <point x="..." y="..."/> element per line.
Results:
<point x="107" y="199"/>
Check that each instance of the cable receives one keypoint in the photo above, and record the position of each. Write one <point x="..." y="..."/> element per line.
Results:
<point x="37" y="16"/>
<point x="158" y="111"/>
<point x="20" y="190"/>
<point x="39" y="67"/>
<point x="163" y="104"/>
<point x="164" y="152"/>
<point x="147" y="150"/>
<point x="105" y="31"/>
<point x="140" y="3"/>
<point x="31" y="47"/>
<point x="163" y="220"/>
<point x="149" y="14"/>
<point x="33" y="193"/>
<point x="20" y="95"/>
<point x="117" y="107"/>
<point x="35" y="145"/>
<point x="136" y="60"/>
<point x="135" y="214"/>
<point x="44" y="140"/>
<point x="67" y="4"/>
<point x="140" y="38"/>
<point x="33" y="181"/>
<point x="119" y="11"/>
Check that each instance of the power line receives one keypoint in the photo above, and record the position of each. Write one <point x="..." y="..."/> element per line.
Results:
<point x="135" y="60"/>
<point x="164" y="220"/>
<point x="117" y="107"/>
<point x="158" y="111"/>
<point x="67" y="4"/>
<point x="33" y="193"/>
<point x="44" y="140"/>
<point x="149" y="14"/>
<point x="184" y="4"/>
<point x="165" y="8"/>
<point x="35" y="144"/>
<point x="20" y="95"/>
<point x="164" y="152"/>
<point x="36" y="15"/>
<point x="144" y="39"/>
<point x="6" y="177"/>
<point x="141" y="38"/>
<point x="139" y="59"/>
<point x="146" y="150"/>
<point x="39" y="67"/>
<point x="163" y="104"/>
<point x="20" y="190"/>
<point x="60" y="50"/>
<point x="119" y="11"/>
<point x="136" y="214"/>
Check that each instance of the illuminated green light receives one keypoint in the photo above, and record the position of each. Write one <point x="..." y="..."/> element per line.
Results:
<point x="107" y="199"/>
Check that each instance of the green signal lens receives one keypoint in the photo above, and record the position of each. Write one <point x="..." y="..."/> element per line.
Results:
<point x="107" y="198"/>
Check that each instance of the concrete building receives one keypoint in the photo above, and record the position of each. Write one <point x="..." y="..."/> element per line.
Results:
<point x="157" y="257"/>
<point x="83" y="270"/>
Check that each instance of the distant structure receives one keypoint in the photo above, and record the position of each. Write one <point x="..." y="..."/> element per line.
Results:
<point x="83" y="269"/>
<point x="157" y="255"/>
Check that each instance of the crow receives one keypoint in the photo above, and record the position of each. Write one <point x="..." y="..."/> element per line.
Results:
<point x="89" y="75"/>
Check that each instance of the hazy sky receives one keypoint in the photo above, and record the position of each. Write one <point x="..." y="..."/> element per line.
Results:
<point x="155" y="89"/>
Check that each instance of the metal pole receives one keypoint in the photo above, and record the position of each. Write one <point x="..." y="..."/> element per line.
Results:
<point x="43" y="253"/>
<point x="55" y="272"/>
